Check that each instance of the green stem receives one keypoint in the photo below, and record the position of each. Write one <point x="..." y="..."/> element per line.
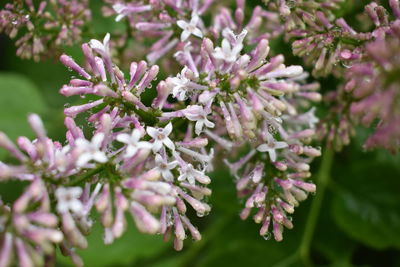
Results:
<point x="150" y="117"/>
<point x="323" y="178"/>
<point x="86" y="175"/>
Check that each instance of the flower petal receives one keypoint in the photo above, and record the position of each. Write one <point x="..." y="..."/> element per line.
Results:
<point x="184" y="35"/>
<point x="279" y="145"/>
<point x="263" y="148"/>
<point x="168" y="143"/>
<point x="123" y="138"/>
<point x="168" y="129"/>
<point x="100" y="156"/>
<point x="272" y="155"/>
<point x="157" y="145"/>
<point x="197" y="32"/>
<point x="182" y="24"/>
<point x="83" y="159"/>
<point x="152" y="132"/>
<point x="97" y="139"/>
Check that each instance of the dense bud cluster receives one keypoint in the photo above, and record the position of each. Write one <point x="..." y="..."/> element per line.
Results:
<point x="219" y="94"/>
<point x="152" y="160"/>
<point x="44" y="27"/>
<point x="374" y="86"/>
<point x="133" y="163"/>
<point x="331" y="46"/>
<point x="170" y="25"/>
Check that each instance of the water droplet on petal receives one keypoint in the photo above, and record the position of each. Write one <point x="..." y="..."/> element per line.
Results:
<point x="267" y="236"/>
<point x="200" y="214"/>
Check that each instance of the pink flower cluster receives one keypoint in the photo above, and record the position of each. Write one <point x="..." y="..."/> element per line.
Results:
<point x="331" y="46"/>
<point x="174" y="23"/>
<point x="374" y="86"/>
<point x="44" y="28"/>
<point x="151" y="158"/>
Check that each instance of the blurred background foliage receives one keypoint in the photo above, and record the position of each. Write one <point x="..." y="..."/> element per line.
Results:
<point x="356" y="222"/>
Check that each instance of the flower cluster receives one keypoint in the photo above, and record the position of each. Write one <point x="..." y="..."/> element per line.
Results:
<point x="168" y="22"/>
<point x="327" y="42"/>
<point x="45" y="28"/>
<point x="131" y="164"/>
<point x="365" y="95"/>
<point x="330" y="45"/>
<point x="374" y="87"/>
<point x="175" y="174"/>
<point x="28" y="229"/>
<point x="314" y="32"/>
<point x="149" y="146"/>
<point x="175" y="23"/>
<point x="242" y="101"/>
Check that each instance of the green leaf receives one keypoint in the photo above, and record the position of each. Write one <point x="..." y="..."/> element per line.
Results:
<point x="367" y="202"/>
<point x="18" y="97"/>
<point x="329" y="240"/>
<point x="239" y="244"/>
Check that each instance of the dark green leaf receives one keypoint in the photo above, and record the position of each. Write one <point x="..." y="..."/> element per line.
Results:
<point x="18" y="97"/>
<point x="367" y="203"/>
<point x="330" y="244"/>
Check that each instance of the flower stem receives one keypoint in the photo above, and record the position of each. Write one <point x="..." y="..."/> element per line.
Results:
<point x="323" y="178"/>
<point x="86" y="175"/>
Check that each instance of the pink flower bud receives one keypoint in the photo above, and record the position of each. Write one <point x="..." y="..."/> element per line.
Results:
<point x="70" y="63"/>
<point x="145" y="222"/>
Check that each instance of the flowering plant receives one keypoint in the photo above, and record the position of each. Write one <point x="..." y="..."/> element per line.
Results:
<point x="189" y="86"/>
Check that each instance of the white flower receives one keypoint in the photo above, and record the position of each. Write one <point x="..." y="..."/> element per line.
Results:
<point x="164" y="167"/>
<point x="226" y="52"/>
<point x="90" y="150"/>
<point x="189" y="173"/>
<point x="199" y="115"/>
<point x="160" y="137"/>
<point x="101" y="48"/>
<point x="68" y="199"/>
<point x="189" y="28"/>
<point x="133" y="143"/>
<point x="271" y="146"/>
<point x="61" y="158"/>
<point x="180" y="85"/>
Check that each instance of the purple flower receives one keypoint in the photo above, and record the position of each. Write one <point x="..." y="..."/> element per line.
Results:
<point x="199" y="115"/>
